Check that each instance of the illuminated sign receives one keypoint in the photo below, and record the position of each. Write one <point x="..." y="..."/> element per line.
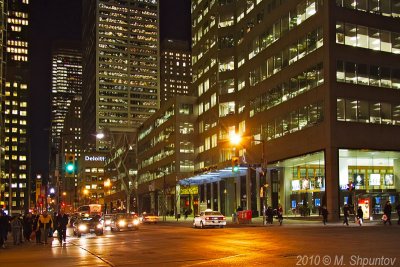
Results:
<point x="295" y="185"/>
<point x="374" y="179"/>
<point x="95" y="158"/>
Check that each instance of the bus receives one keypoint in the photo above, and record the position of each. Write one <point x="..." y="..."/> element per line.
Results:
<point x="89" y="210"/>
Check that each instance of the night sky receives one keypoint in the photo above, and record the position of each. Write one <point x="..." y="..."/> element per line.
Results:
<point x="53" y="20"/>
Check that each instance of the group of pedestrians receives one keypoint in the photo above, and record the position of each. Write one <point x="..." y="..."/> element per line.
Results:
<point x="38" y="227"/>
<point x="386" y="218"/>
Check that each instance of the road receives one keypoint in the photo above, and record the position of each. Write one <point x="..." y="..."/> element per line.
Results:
<point x="180" y="245"/>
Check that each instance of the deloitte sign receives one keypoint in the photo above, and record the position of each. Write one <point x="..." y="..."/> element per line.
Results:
<point x="95" y="158"/>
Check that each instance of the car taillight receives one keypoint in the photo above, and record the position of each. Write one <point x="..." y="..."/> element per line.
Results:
<point x="208" y="218"/>
<point x="223" y="218"/>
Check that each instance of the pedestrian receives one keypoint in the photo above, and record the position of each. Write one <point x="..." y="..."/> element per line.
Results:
<point x="346" y="213"/>
<point x="36" y="228"/>
<point x="27" y="225"/>
<point x="3" y="229"/>
<point x="279" y="211"/>
<point x="324" y="213"/>
<point x="16" y="228"/>
<point x="45" y="223"/>
<point x="62" y="222"/>
<point x="360" y="215"/>
<point x="270" y="215"/>
<point x="388" y="212"/>
<point x="398" y="213"/>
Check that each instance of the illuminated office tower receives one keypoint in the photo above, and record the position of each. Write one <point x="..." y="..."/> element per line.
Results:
<point x="175" y="69"/>
<point x="312" y="88"/>
<point x="15" y="107"/>
<point x="70" y="145"/>
<point x="120" y="66"/>
<point x="2" y="73"/>
<point x="66" y="84"/>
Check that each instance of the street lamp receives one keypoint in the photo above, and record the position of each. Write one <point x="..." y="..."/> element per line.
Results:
<point x="236" y="139"/>
<point x="107" y="184"/>
<point x="164" y="196"/>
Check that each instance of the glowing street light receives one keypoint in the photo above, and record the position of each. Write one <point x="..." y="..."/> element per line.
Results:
<point x="235" y="139"/>
<point x="100" y="135"/>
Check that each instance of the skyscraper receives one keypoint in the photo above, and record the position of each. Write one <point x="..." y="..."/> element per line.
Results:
<point x="15" y="108"/>
<point x="175" y="68"/>
<point x="66" y="84"/>
<point x="2" y="73"/>
<point x="121" y="65"/>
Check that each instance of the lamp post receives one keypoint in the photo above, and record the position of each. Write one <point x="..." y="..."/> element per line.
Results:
<point x="85" y="193"/>
<point x="164" y="197"/>
<point x="236" y="139"/>
<point x="107" y="184"/>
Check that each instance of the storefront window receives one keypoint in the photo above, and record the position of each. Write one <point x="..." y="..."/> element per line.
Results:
<point x="301" y="183"/>
<point x="368" y="179"/>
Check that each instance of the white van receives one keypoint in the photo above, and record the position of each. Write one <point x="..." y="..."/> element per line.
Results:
<point x="89" y="210"/>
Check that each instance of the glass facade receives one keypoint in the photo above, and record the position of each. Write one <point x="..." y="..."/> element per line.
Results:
<point x="294" y="121"/>
<point x="389" y="8"/>
<point x="368" y="111"/>
<point x="299" y="183"/>
<point x="304" y="46"/>
<point x="370" y="75"/>
<point x="369" y="38"/>
<point x="287" y="90"/>
<point x="372" y="177"/>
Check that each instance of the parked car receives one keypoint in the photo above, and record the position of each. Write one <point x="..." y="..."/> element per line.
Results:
<point x="209" y="218"/>
<point x="149" y="218"/>
<point x="124" y="221"/>
<point x="87" y="225"/>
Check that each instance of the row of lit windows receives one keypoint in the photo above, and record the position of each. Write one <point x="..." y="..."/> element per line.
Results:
<point x="368" y="111"/>
<point x="294" y="121"/>
<point x="383" y="7"/>
<point x="19" y="58"/>
<point x="17" y="43"/>
<point x="364" y="74"/>
<point x="16" y="28"/>
<point x="303" y="11"/>
<point x="15" y="112"/>
<point x="288" y="56"/>
<point x="15" y="85"/>
<point x="17" y="50"/>
<point x="15" y="130"/>
<point x="287" y="90"/>
<point x="370" y="38"/>
<point x="16" y="103"/>
<point x="19" y="14"/>
<point x="17" y="21"/>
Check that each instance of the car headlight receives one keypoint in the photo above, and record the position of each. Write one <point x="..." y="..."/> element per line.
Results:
<point x="122" y="223"/>
<point x="99" y="226"/>
<point x="82" y="227"/>
<point x="108" y="221"/>
<point x="135" y="222"/>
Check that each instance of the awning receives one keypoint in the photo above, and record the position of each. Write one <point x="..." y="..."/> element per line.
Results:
<point x="213" y="176"/>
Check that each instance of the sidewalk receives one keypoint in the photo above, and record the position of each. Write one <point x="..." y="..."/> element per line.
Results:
<point x="293" y="222"/>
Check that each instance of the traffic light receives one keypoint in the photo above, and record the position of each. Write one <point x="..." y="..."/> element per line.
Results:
<point x="235" y="164"/>
<point x="350" y="186"/>
<point x="70" y="164"/>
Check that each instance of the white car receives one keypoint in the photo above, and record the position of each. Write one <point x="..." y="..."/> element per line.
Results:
<point x="209" y="218"/>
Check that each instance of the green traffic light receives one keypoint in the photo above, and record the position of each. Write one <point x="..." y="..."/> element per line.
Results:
<point x="235" y="169"/>
<point x="70" y="167"/>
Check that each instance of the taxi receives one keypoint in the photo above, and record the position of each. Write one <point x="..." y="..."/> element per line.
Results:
<point x="209" y="218"/>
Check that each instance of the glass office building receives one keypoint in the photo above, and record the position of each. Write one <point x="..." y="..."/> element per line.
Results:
<point x="311" y="86"/>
